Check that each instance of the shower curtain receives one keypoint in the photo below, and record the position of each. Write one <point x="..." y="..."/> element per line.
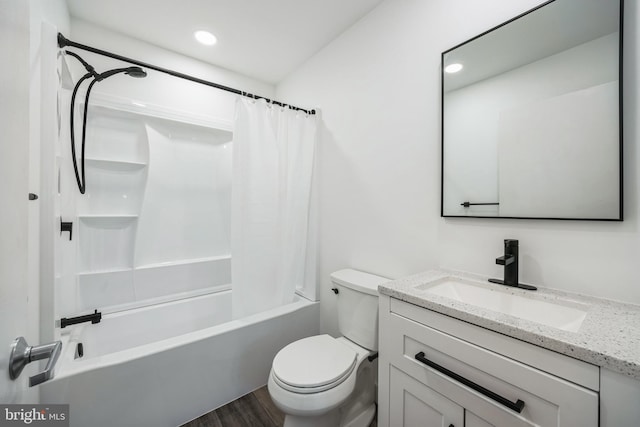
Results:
<point x="273" y="157"/>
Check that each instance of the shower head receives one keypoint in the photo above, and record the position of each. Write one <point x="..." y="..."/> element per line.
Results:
<point x="136" y="72"/>
<point x="130" y="71"/>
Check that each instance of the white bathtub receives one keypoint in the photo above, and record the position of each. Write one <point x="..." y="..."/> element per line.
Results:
<point x="167" y="364"/>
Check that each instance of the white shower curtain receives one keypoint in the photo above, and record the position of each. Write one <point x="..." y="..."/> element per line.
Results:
<point x="273" y="157"/>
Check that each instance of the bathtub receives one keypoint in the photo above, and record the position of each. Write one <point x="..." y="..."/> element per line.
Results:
<point x="167" y="364"/>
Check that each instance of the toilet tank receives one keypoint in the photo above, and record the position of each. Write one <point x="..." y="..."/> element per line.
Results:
<point x="358" y="306"/>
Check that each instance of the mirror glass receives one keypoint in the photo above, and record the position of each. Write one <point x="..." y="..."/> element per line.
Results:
<point x="531" y="117"/>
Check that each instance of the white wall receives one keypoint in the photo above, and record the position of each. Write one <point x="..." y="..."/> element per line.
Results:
<point x="20" y="113"/>
<point x="47" y="18"/>
<point x="14" y="110"/>
<point x="378" y="86"/>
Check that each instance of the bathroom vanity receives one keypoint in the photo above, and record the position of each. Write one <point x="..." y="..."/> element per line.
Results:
<point x="458" y="351"/>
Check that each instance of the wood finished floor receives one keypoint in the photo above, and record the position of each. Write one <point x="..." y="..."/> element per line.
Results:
<point x="253" y="410"/>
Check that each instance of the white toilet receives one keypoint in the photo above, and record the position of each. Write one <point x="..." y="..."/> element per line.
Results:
<point x="325" y="381"/>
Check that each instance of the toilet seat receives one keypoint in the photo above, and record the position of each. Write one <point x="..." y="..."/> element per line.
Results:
<point x="313" y="364"/>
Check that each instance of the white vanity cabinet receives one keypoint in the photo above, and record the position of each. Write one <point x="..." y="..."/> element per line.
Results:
<point x="439" y="371"/>
<point x="412" y="403"/>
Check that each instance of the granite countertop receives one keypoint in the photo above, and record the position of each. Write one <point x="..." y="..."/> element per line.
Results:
<point x="608" y="337"/>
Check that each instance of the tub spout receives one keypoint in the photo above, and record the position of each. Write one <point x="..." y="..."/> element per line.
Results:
<point x="95" y="317"/>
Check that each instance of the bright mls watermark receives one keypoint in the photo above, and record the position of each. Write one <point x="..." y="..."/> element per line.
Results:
<point x="34" y="415"/>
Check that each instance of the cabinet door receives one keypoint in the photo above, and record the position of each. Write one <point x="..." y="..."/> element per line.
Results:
<point x="472" y="420"/>
<point x="414" y="404"/>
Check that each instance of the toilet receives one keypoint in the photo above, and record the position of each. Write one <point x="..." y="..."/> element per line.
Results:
<point x="324" y="381"/>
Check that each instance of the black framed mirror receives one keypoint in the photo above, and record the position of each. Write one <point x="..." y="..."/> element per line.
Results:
<point x="532" y="116"/>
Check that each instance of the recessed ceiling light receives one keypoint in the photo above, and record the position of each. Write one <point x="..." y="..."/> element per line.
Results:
<point x="453" y="68"/>
<point x="205" y="37"/>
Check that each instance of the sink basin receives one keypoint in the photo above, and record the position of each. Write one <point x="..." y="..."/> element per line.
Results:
<point x="552" y="314"/>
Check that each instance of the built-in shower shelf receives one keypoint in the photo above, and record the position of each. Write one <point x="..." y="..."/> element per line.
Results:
<point x="123" y="217"/>
<point x="108" y="220"/>
<point x="105" y="271"/>
<point x="218" y="258"/>
<point x="115" y="165"/>
<point x="116" y="106"/>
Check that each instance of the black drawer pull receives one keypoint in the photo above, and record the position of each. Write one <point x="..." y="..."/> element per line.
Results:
<point x="517" y="406"/>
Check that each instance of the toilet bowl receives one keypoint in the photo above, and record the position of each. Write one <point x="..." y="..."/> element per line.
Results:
<point x="325" y="381"/>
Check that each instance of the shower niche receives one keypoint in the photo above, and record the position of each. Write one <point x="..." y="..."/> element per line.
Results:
<point x="116" y="163"/>
<point x="154" y="222"/>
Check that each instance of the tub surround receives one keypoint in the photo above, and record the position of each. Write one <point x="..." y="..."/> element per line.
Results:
<point x="609" y="336"/>
<point x="136" y="183"/>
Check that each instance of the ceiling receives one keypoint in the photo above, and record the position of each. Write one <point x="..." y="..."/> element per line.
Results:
<point x="262" y="39"/>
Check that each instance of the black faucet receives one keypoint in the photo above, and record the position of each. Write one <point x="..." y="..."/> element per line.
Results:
<point x="510" y="262"/>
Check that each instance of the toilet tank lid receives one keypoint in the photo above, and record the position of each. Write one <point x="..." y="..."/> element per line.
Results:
<point x="358" y="280"/>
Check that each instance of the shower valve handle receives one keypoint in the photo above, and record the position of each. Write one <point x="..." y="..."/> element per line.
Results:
<point x="66" y="226"/>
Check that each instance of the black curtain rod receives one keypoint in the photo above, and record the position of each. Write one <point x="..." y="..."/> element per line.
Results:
<point x="64" y="42"/>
